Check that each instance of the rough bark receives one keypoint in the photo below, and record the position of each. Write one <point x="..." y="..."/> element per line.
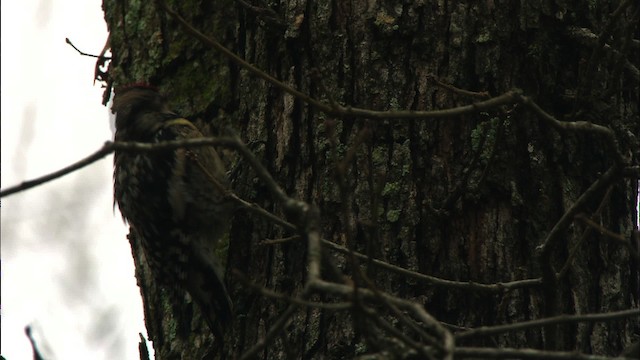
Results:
<point x="467" y="198"/>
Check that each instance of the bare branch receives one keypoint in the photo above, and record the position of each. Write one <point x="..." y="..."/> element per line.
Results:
<point x="610" y="234"/>
<point x="603" y="181"/>
<point x="280" y="240"/>
<point x="25" y="185"/>
<point x="585" y="234"/>
<point x="208" y="40"/>
<point x="462" y="285"/>
<point x="587" y="37"/>
<point x="401" y="317"/>
<point x="507" y="98"/>
<point x="565" y="125"/>
<point x="101" y="56"/>
<point x="456" y="90"/>
<point x="597" y="227"/>
<point x="598" y="49"/>
<point x="510" y="353"/>
<point x="417" y="310"/>
<point x="562" y="319"/>
<point x="293" y="300"/>
<point x="338" y="110"/>
<point x="426" y="352"/>
<point x="274" y="330"/>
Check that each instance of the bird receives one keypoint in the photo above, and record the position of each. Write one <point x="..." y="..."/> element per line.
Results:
<point x="173" y="200"/>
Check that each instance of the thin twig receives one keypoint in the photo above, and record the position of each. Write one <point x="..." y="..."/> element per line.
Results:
<point x="507" y="98"/>
<point x="545" y="250"/>
<point x="610" y="234"/>
<point x="34" y="346"/>
<point x="462" y="285"/>
<point x="279" y="241"/>
<point x="459" y="91"/>
<point x="562" y="319"/>
<point x="565" y="125"/>
<point x="417" y="310"/>
<point x="511" y="353"/>
<point x="208" y="40"/>
<point x="588" y="38"/>
<point x="603" y="181"/>
<point x="110" y="147"/>
<point x="597" y="227"/>
<point x="101" y="56"/>
<point x="401" y="317"/>
<point x="28" y="184"/>
<point x="336" y="109"/>
<point x="257" y="209"/>
<point x="292" y="300"/>
<point x="274" y="330"/>
<point x="598" y="50"/>
<point x="585" y="234"/>
<point x="421" y="349"/>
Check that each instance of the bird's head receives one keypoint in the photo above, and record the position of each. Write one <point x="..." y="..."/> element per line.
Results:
<point x="135" y="105"/>
<point x="135" y="99"/>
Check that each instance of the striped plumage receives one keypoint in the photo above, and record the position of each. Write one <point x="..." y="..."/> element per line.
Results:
<point x="172" y="200"/>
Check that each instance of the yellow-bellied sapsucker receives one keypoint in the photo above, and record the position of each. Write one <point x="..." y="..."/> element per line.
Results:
<point x="173" y="200"/>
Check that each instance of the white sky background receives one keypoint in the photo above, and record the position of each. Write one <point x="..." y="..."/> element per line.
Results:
<point x="66" y="264"/>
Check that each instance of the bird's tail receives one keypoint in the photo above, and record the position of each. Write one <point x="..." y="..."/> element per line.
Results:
<point x="206" y="285"/>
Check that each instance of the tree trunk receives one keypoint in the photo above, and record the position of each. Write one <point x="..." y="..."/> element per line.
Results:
<point x="468" y="198"/>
